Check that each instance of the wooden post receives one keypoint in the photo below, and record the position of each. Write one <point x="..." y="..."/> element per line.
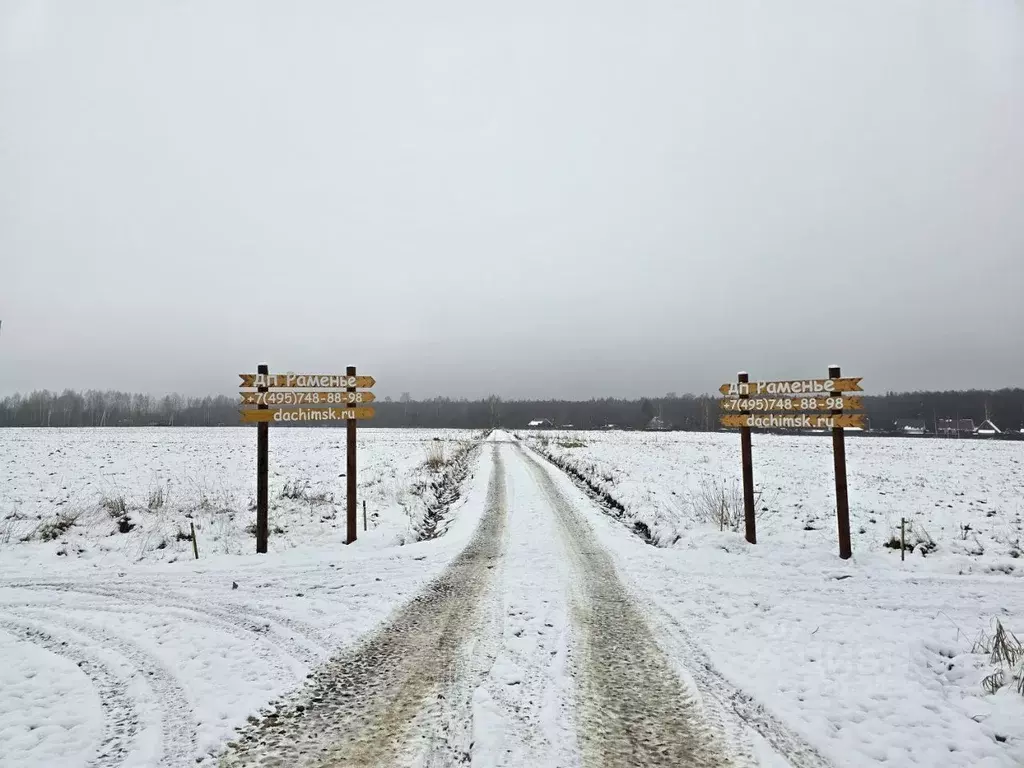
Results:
<point x="364" y="515"/>
<point x="350" y="471"/>
<point x="842" y="501"/>
<point x="748" y="471"/>
<point x="195" y="544"/>
<point x="903" y="538"/>
<point x="262" y="470"/>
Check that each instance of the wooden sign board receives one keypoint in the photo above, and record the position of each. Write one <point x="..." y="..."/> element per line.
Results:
<point x="810" y="403"/>
<point x="303" y="397"/>
<point x="305" y="380"/>
<point x="799" y="421"/>
<point x="287" y="415"/>
<point x="798" y="387"/>
<point x="308" y="398"/>
<point x="749" y="405"/>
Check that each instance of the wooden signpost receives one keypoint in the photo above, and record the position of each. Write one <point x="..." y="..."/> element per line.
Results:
<point x="746" y="453"/>
<point x="285" y="398"/>
<point x="756" y="405"/>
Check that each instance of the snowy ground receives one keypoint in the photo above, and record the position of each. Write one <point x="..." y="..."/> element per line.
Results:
<point x="869" y="658"/>
<point x="966" y="496"/>
<point x="123" y="654"/>
<point x="127" y="495"/>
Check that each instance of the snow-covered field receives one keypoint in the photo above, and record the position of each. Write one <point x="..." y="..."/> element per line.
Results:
<point x="870" y="657"/>
<point x="967" y="497"/>
<point x="127" y="495"/>
<point x="120" y="649"/>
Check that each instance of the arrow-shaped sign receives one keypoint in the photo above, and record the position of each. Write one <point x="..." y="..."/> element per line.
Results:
<point x="287" y="415"/>
<point x="797" y="403"/>
<point x="305" y="380"/>
<point x="786" y="421"/>
<point x="303" y="397"/>
<point x="797" y="387"/>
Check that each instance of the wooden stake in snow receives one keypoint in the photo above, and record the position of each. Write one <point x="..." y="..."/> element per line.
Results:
<point x="903" y="538"/>
<point x="195" y="544"/>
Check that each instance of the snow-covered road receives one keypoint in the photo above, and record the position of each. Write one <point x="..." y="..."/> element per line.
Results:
<point x="527" y="650"/>
<point x="398" y="691"/>
<point x="538" y="631"/>
<point x="873" y="660"/>
<point x="158" y="664"/>
<point x="511" y="641"/>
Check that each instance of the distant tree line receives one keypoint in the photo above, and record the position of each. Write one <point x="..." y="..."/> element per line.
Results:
<point x="1004" y="407"/>
<point x="94" y="408"/>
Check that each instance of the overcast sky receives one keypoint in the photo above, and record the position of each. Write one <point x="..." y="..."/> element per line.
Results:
<point x="533" y="198"/>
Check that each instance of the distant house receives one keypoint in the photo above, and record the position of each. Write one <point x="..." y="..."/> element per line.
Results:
<point x="609" y="426"/>
<point x="954" y="427"/>
<point x="658" y="424"/>
<point x="541" y="424"/>
<point x="911" y="426"/>
<point x="987" y="429"/>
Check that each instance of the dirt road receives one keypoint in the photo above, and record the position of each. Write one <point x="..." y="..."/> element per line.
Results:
<point x="528" y="650"/>
<point x="358" y="709"/>
<point x="633" y="709"/>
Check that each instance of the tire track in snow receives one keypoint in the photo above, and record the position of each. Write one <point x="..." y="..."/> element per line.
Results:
<point x="742" y="708"/>
<point x="177" y="724"/>
<point x="727" y="704"/>
<point x="121" y="723"/>
<point x="239" y="621"/>
<point x="523" y="708"/>
<point x="634" y="710"/>
<point x="377" y="703"/>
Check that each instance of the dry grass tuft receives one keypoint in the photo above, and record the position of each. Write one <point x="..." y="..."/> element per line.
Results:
<point x="1007" y="653"/>
<point x="54" y="529"/>
<point x="116" y="506"/>
<point x="436" y="456"/>
<point x="722" y="504"/>
<point x="303" y="491"/>
<point x="157" y="499"/>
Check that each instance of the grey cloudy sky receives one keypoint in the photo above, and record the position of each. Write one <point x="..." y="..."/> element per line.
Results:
<point x="559" y="198"/>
